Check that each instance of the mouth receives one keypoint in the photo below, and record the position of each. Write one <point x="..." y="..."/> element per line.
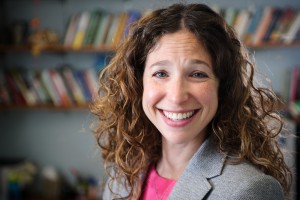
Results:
<point x="179" y="116"/>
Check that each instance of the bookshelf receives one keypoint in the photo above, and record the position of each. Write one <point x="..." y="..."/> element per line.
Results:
<point x="110" y="49"/>
<point x="98" y="31"/>
<point x="57" y="49"/>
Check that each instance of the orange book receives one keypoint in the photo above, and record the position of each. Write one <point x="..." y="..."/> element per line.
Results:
<point x="120" y="28"/>
<point x="263" y="25"/>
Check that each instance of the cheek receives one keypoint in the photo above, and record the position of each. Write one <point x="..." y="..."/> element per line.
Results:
<point x="151" y="95"/>
<point x="208" y="94"/>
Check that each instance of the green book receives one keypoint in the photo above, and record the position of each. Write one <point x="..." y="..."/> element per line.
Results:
<point x="102" y="31"/>
<point x="92" y="27"/>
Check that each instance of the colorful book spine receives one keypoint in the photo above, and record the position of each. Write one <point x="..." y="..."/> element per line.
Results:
<point x="92" y="28"/>
<point x="73" y="85"/>
<point x="291" y="34"/>
<point x="60" y="87"/>
<point x="103" y="29"/>
<point x="294" y="84"/>
<point x="262" y="25"/>
<point x="81" y="30"/>
<point x="276" y="15"/>
<point x="71" y="30"/>
<point x="49" y="86"/>
<point x="79" y="77"/>
<point x="250" y="32"/>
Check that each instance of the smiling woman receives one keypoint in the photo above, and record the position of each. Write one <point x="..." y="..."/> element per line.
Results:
<point x="181" y="118"/>
<point x="179" y="81"/>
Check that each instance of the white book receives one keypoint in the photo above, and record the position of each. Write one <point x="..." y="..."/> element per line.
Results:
<point x="289" y="37"/>
<point x="241" y="22"/>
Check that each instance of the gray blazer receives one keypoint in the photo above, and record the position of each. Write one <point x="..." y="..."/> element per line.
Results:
<point x="207" y="176"/>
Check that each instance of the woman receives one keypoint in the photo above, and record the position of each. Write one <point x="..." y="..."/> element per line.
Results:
<point x="180" y="116"/>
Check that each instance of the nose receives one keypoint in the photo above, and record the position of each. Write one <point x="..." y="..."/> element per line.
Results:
<point x="178" y="91"/>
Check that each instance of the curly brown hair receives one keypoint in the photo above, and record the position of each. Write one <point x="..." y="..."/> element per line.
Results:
<point x="241" y="126"/>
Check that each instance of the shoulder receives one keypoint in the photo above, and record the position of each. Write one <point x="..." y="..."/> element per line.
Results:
<point x="115" y="188"/>
<point x="245" y="181"/>
<point x="260" y="188"/>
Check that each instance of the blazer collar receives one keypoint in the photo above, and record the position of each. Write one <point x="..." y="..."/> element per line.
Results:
<point x="193" y="183"/>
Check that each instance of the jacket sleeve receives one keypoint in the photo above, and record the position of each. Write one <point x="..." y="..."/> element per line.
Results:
<point x="107" y="193"/>
<point x="117" y="190"/>
<point x="259" y="188"/>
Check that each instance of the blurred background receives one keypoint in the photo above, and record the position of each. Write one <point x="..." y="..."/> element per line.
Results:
<point x="51" y="52"/>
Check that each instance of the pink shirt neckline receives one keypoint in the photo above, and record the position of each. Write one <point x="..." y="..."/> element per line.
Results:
<point x="156" y="186"/>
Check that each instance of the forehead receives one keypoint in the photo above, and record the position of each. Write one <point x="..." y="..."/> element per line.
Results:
<point x="181" y="42"/>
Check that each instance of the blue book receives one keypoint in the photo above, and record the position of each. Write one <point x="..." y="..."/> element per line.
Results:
<point x="79" y="76"/>
<point x="253" y="24"/>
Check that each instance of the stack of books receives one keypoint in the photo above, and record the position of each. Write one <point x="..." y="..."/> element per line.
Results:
<point x="61" y="87"/>
<point x="98" y="28"/>
<point x="256" y="26"/>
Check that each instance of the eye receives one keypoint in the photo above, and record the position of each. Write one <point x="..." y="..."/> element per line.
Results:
<point x="199" y="75"/>
<point x="160" y="74"/>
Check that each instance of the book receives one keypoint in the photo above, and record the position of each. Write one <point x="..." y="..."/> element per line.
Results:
<point x="72" y="85"/>
<point x="297" y="37"/>
<point x="282" y="25"/>
<point x="133" y="16"/>
<point x="102" y="30"/>
<point x="262" y="25"/>
<point x="14" y="92"/>
<point x="60" y="87"/>
<point x="294" y="84"/>
<point x="241" y="22"/>
<point x="90" y="77"/>
<point x="71" y="30"/>
<point x="112" y="30"/>
<point x="24" y="87"/>
<point x="35" y="79"/>
<point x="50" y="88"/>
<point x="120" y="29"/>
<point x="253" y="25"/>
<point x="31" y="92"/>
<point x="277" y="13"/>
<point x="230" y="14"/>
<point x="81" y="29"/>
<point x="92" y="27"/>
<point x="291" y="33"/>
<point x="79" y="77"/>
<point x="4" y="92"/>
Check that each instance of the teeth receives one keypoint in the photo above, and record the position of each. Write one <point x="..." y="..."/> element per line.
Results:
<point x="178" y="116"/>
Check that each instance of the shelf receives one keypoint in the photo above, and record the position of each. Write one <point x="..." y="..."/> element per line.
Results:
<point x="108" y="49"/>
<point x="56" y="49"/>
<point x="44" y="107"/>
<point x="268" y="45"/>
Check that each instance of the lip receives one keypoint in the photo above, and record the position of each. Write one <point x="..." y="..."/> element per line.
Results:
<point x="180" y="123"/>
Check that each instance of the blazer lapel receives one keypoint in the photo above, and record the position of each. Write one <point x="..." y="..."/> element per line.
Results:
<point x="194" y="183"/>
<point x="190" y="186"/>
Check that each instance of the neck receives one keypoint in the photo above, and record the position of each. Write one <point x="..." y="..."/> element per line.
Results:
<point x="175" y="157"/>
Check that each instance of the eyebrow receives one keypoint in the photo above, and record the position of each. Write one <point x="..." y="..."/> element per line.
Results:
<point x="201" y="62"/>
<point x="160" y="63"/>
<point x="192" y="61"/>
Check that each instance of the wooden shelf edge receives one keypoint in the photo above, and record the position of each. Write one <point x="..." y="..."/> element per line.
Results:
<point x="56" y="48"/>
<point x="44" y="107"/>
<point x="269" y="45"/>
<point x="106" y="49"/>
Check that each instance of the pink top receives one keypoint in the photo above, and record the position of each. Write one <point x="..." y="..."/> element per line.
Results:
<point x="156" y="186"/>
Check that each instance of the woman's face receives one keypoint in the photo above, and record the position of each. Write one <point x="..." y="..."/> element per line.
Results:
<point x="180" y="94"/>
